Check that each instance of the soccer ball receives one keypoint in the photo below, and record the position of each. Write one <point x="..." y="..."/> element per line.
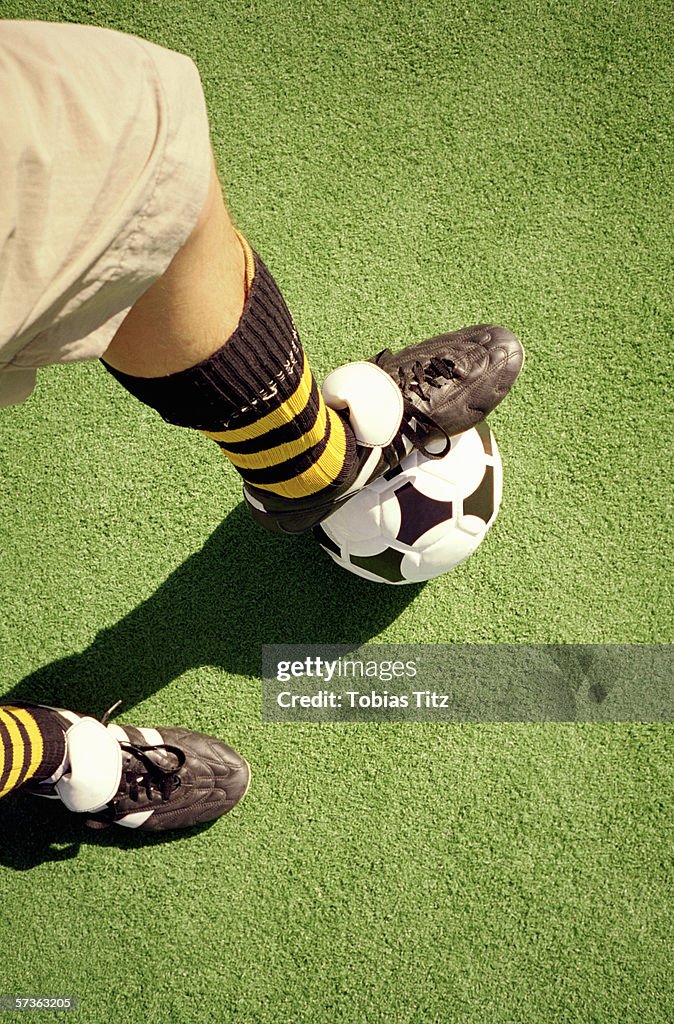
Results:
<point x="422" y="518"/>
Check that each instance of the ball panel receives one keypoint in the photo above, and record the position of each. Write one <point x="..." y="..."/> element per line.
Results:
<point x="422" y="518"/>
<point x="454" y="547"/>
<point x="326" y="541"/>
<point x="362" y="522"/>
<point x="460" y="469"/>
<point x="386" y="565"/>
<point x="370" y="546"/>
<point x="436" y="445"/>
<point x="481" y="502"/>
<point x="484" y="433"/>
<point x="390" y="513"/>
<point x="419" y="513"/>
<point x="472" y="525"/>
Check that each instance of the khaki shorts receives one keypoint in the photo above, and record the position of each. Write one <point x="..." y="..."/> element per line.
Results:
<point x="104" y="169"/>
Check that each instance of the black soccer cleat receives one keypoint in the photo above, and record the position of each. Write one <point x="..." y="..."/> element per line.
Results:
<point x="441" y="387"/>
<point x="453" y="381"/>
<point x="152" y="780"/>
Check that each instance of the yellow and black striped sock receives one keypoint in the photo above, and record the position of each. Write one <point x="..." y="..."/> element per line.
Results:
<point x="32" y="745"/>
<point x="257" y="398"/>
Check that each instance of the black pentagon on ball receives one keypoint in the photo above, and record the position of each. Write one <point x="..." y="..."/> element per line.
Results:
<point x="484" y="433"/>
<point x="325" y="541"/>
<point x="419" y="513"/>
<point x="386" y="564"/>
<point x="481" y="502"/>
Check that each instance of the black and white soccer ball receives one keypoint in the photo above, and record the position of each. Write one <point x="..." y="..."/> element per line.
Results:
<point x="422" y="518"/>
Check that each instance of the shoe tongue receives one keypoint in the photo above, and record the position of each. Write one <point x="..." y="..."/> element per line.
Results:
<point x="95" y="767"/>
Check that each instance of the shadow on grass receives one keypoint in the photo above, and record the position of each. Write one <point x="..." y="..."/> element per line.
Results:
<point x="34" y="831"/>
<point x="245" y="588"/>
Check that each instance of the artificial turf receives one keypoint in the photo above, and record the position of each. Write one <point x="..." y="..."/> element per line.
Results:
<point x="404" y="169"/>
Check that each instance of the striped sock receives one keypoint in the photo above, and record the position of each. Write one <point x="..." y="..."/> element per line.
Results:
<point x="32" y="746"/>
<point x="257" y="398"/>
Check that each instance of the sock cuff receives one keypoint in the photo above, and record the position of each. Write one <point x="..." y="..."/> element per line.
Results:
<point x="250" y="374"/>
<point x="248" y="262"/>
<point x="33" y="743"/>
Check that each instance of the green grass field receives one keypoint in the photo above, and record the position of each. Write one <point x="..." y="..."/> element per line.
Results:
<point x="404" y="169"/>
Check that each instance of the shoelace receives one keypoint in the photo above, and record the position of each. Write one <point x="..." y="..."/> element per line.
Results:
<point x="417" y="425"/>
<point x="419" y="378"/>
<point x="141" y="773"/>
<point x="146" y="772"/>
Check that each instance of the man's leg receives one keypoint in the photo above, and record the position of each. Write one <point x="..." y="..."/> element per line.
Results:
<point x="212" y="345"/>
<point x="195" y="306"/>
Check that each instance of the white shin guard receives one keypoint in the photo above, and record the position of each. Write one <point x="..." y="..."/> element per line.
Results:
<point x="94" y="767"/>
<point x="373" y="398"/>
